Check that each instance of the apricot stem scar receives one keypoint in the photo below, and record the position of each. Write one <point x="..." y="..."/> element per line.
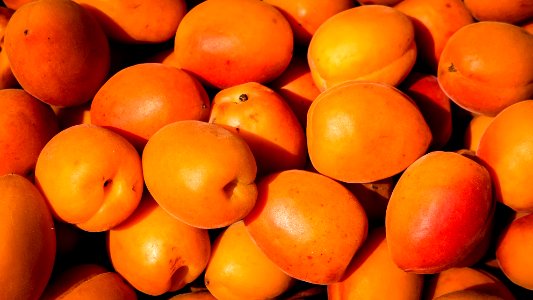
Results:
<point x="243" y="97"/>
<point x="452" y="68"/>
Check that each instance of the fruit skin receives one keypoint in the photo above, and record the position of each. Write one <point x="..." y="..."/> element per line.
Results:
<point x="140" y="99"/>
<point x="7" y="80"/>
<point x="351" y="45"/>
<point x="221" y="52"/>
<point x="201" y="173"/>
<point x="266" y="122"/>
<point x="27" y="125"/>
<point x="441" y="201"/>
<point x="513" y="12"/>
<point x="475" y="74"/>
<point x="28" y="239"/>
<point x="89" y="281"/>
<point x="474" y="131"/>
<point x="155" y="252"/>
<point x="137" y="22"/>
<point x="90" y="177"/>
<point x="504" y="148"/>
<point x="62" y="62"/>
<point x="373" y="275"/>
<point x="319" y="225"/>
<point x="360" y="132"/>
<point x="238" y="268"/>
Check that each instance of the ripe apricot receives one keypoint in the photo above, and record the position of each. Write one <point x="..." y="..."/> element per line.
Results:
<point x="229" y="42"/>
<point x="434" y="21"/>
<point x="63" y="62"/>
<point x="469" y="295"/>
<point x="198" y="295"/>
<point x="7" y="79"/>
<point x="265" y="121"/>
<point x="297" y="87"/>
<point x="90" y="176"/>
<point x="352" y="45"/>
<point x="513" y="251"/>
<point x="476" y="75"/>
<point x="441" y="201"/>
<point x="378" y="2"/>
<point x="68" y="116"/>
<point x="238" y="268"/>
<point x="28" y="239"/>
<point x="27" y="125"/>
<point x="201" y="173"/>
<point x="505" y="149"/>
<point x="130" y="21"/>
<point x="319" y="225"/>
<point x="372" y="274"/>
<point x="155" y="252"/>
<point x="528" y="25"/>
<point x="15" y="4"/>
<point x="89" y="281"/>
<point x="305" y="16"/>
<point x="474" y="131"/>
<point x="140" y="99"/>
<point x="466" y="278"/>
<point x="508" y="11"/>
<point x="365" y="131"/>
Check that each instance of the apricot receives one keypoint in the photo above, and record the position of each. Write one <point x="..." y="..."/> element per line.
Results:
<point x="222" y="52"/>
<point x="201" y="173"/>
<point x="140" y="22"/>
<point x="378" y="2"/>
<point x="352" y="45"/>
<point x="508" y="11"/>
<point x="140" y="99"/>
<point x="469" y="295"/>
<point x="89" y="281"/>
<point x="238" y="268"/>
<point x="466" y="278"/>
<point x="505" y="148"/>
<point x="265" y="121"/>
<point x="475" y="75"/>
<point x="474" y="131"/>
<point x="90" y="177"/>
<point x="7" y="79"/>
<point x="28" y="239"/>
<point x="155" y="252"/>
<point x="319" y="225"/>
<point x="63" y="62"/>
<point x="361" y="132"/>
<point x="372" y="274"/>
<point x="15" y="4"/>
<point x="305" y="16"/>
<point x="434" y="22"/>
<point x="27" y="125"/>
<point x="68" y="116"/>
<point x="198" y="295"/>
<point x="441" y="201"/>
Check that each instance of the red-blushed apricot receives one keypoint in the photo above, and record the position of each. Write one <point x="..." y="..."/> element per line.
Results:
<point x="140" y="99"/>
<point x="434" y="22"/>
<point x="238" y="268"/>
<point x="89" y="281"/>
<point x="28" y="239"/>
<point x="27" y="125"/>
<point x="137" y="21"/>
<point x="230" y="42"/>
<point x="265" y="121"/>
<point x="372" y="274"/>
<point x="305" y="16"/>
<point x="435" y="106"/>
<point x="90" y="177"/>
<point x="442" y="201"/>
<point x="352" y="45"/>
<point x="508" y="11"/>
<point x="505" y="148"/>
<point x="155" y="252"/>
<point x="318" y="224"/>
<point x="63" y="62"/>
<point x="365" y="131"/>
<point x="476" y="74"/>
<point x="201" y="173"/>
<point x="465" y="278"/>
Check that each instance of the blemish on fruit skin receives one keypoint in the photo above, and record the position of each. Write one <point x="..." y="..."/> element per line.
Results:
<point x="452" y="68"/>
<point x="26" y="31"/>
<point x="243" y="97"/>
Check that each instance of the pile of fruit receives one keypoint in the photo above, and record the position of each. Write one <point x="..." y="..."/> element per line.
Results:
<point x="248" y="149"/>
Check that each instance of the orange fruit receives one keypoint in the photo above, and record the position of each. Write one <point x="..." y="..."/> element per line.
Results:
<point x="476" y="75"/>
<point x="201" y="173"/>
<point x="474" y="131"/>
<point x="221" y="51"/>
<point x="90" y="176"/>
<point x="318" y="224"/>
<point x="365" y="131"/>
<point x="7" y="79"/>
<point x="352" y="45"/>
<point x="508" y="11"/>
<point x="238" y="268"/>
<point x="265" y="121"/>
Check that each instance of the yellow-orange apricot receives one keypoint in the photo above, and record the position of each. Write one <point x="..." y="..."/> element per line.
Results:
<point x="508" y="11"/>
